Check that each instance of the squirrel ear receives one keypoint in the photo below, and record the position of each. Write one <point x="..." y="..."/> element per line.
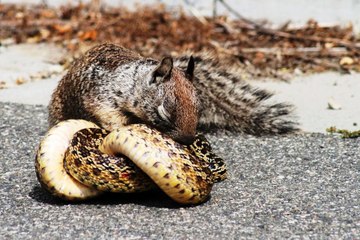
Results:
<point x="190" y="68"/>
<point x="163" y="70"/>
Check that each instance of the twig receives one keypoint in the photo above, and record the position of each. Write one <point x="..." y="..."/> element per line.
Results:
<point x="307" y="50"/>
<point x="239" y="16"/>
<point x="195" y="12"/>
<point x="219" y="48"/>
<point x="274" y="51"/>
<point x="230" y="29"/>
<point x="339" y="42"/>
<point x="318" y="62"/>
<point x="44" y="3"/>
<point x="257" y="27"/>
<point x="42" y="23"/>
<point x="214" y="8"/>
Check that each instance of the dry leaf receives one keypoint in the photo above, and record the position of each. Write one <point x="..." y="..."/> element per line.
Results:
<point x="88" y="35"/>
<point x="177" y="32"/>
<point x="2" y="84"/>
<point x="44" y="33"/>
<point x="62" y="28"/>
<point x="20" y="80"/>
<point x="48" y="13"/>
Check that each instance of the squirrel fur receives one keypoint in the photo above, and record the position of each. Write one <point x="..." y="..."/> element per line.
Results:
<point x="113" y="86"/>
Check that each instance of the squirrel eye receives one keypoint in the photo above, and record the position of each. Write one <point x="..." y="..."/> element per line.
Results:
<point x="164" y="115"/>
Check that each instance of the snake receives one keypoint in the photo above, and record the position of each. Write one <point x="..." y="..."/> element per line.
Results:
<point x="78" y="160"/>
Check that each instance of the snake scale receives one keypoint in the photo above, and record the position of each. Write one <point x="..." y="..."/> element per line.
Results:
<point x="78" y="160"/>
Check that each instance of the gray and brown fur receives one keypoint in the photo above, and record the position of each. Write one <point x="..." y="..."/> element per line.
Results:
<point x="229" y="101"/>
<point x="113" y="86"/>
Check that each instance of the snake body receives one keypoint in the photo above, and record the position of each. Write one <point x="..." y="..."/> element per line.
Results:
<point x="104" y="172"/>
<point x="78" y="160"/>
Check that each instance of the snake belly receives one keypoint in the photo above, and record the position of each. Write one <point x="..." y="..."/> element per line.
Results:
<point x="101" y="162"/>
<point x="49" y="162"/>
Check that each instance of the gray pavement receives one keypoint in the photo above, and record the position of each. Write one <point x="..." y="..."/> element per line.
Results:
<point x="300" y="186"/>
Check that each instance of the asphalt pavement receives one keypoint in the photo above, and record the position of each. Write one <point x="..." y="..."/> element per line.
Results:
<point x="299" y="186"/>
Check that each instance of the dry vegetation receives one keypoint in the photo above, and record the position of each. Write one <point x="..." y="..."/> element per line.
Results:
<point x="157" y="31"/>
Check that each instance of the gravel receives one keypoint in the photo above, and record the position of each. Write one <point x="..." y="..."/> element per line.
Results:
<point x="297" y="186"/>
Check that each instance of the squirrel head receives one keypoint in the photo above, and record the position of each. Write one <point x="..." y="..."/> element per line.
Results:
<point x="176" y="112"/>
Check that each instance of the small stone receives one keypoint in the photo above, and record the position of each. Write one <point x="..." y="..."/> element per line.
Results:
<point x="20" y="80"/>
<point x="45" y="34"/>
<point x="8" y="41"/>
<point x="2" y="84"/>
<point x="297" y="71"/>
<point x="329" y="45"/>
<point x="333" y="105"/>
<point x="56" y="69"/>
<point x="346" y="61"/>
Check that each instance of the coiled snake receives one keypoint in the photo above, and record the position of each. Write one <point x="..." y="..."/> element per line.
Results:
<point x="78" y="160"/>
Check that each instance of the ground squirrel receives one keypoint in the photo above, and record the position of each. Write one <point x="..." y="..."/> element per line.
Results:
<point x="113" y="86"/>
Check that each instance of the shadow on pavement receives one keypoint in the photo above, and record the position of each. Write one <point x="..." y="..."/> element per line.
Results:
<point x="154" y="198"/>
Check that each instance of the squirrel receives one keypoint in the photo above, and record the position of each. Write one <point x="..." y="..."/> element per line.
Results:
<point x="113" y="86"/>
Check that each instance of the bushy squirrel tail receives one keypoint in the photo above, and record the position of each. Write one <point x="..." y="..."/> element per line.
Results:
<point x="247" y="110"/>
<point x="230" y="102"/>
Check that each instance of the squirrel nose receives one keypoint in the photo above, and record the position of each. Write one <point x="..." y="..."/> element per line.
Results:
<point x="181" y="137"/>
<point x="187" y="139"/>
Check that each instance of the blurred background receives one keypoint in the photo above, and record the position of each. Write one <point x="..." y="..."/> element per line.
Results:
<point x="268" y="34"/>
<point x="278" y="11"/>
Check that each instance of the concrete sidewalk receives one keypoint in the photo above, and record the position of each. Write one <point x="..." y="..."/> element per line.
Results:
<point x="299" y="186"/>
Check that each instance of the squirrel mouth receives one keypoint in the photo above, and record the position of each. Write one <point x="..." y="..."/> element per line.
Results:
<point x="181" y="138"/>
